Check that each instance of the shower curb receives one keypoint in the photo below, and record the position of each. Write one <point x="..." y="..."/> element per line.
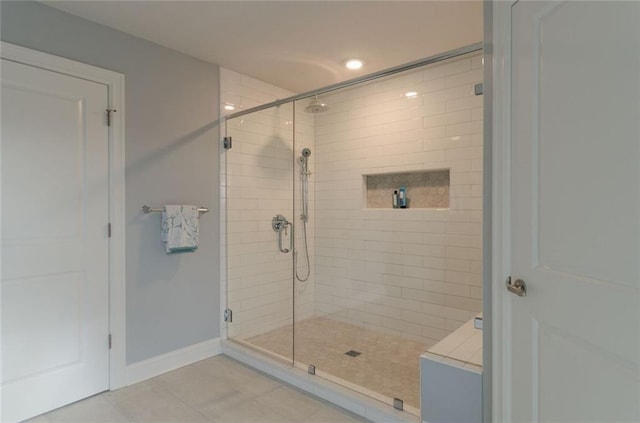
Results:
<point x="342" y="397"/>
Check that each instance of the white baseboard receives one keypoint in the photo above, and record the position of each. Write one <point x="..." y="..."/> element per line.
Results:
<point x="155" y="366"/>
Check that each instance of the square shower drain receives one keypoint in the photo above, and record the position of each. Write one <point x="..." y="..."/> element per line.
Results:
<point x="353" y="353"/>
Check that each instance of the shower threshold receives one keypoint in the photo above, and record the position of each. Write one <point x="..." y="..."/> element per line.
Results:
<point x="358" y="400"/>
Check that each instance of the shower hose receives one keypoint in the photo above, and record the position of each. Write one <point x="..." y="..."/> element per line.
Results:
<point x="304" y="188"/>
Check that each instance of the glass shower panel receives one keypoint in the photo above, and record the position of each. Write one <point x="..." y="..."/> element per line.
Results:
<point x="387" y="284"/>
<point x="305" y="221"/>
<point x="260" y="230"/>
<point x="326" y="268"/>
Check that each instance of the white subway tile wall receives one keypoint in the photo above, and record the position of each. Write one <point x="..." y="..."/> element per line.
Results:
<point x="415" y="273"/>
<point x="260" y="174"/>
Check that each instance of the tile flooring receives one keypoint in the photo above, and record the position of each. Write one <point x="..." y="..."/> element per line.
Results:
<point x="388" y="364"/>
<point x="218" y="389"/>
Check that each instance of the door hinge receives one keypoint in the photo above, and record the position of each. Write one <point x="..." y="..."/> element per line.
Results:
<point x="227" y="143"/>
<point x="228" y="315"/>
<point x="110" y="341"/>
<point x="109" y="115"/>
<point x="109" y="230"/>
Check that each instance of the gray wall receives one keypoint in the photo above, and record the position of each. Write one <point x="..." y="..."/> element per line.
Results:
<point x="171" y="157"/>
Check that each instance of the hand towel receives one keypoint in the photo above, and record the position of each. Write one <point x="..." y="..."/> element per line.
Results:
<point x="180" y="228"/>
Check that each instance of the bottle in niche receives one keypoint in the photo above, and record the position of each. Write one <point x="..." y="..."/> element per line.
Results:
<point x="402" y="198"/>
<point x="395" y="199"/>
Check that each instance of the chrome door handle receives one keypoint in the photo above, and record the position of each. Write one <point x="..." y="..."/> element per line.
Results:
<point x="518" y="287"/>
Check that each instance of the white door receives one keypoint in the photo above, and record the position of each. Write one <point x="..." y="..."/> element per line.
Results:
<point x="55" y="285"/>
<point x="575" y="212"/>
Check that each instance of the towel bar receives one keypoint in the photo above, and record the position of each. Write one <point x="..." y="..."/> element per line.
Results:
<point x="147" y="209"/>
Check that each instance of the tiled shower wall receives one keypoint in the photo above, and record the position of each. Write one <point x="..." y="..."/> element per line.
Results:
<point x="413" y="272"/>
<point x="260" y="174"/>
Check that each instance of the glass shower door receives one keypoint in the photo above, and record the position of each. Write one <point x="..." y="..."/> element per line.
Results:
<point x="259" y="216"/>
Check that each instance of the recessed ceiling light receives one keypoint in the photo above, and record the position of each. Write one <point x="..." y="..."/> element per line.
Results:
<point x="229" y="107"/>
<point x="411" y="94"/>
<point x="354" y="64"/>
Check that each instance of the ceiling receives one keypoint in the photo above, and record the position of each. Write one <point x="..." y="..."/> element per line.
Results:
<point x="297" y="45"/>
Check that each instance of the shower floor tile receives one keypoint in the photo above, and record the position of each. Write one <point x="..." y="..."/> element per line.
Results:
<point x="387" y="364"/>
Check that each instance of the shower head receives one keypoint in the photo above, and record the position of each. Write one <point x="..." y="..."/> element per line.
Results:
<point x="316" y="106"/>
<point x="303" y="161"/>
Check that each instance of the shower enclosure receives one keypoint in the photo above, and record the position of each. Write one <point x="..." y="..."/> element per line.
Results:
<point x="322" y="271"/>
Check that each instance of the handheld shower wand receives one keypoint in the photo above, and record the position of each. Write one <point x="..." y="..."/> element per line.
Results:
<point x="304" y="160"/>
<point x="304" y="216"/>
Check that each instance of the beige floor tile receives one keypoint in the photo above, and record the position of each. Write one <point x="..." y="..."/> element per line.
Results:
<point x="194" y="387"/>
<point x="331" y="415"/>
<point x="219" y="390"/>
<point x="231" y="373"/>
<point x="388" y="364"/>
<point x="127" y="392"/>
<point x="291" y="403"/>
<point x="244" y="412"/>
<point x="158" y="405"/>
<point x="45" y="418"/>
<point x="91" y="410"/>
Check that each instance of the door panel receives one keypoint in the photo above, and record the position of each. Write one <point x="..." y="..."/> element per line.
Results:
<point x="59" y="299"/>
<point x="54" y="240"/>
<point x="35" y="177"/>
<point x="575" y="202"/>
<point x="259" y="186"/>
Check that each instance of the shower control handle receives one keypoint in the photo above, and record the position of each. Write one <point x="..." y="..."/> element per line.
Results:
<point x="279" y="223"/>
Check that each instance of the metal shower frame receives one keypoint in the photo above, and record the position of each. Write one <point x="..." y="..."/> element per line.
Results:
<point x="472" y="48"/>
<point x="451" y="54"/>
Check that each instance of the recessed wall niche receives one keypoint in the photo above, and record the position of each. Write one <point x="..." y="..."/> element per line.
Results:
<point x="426" y="189"/>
